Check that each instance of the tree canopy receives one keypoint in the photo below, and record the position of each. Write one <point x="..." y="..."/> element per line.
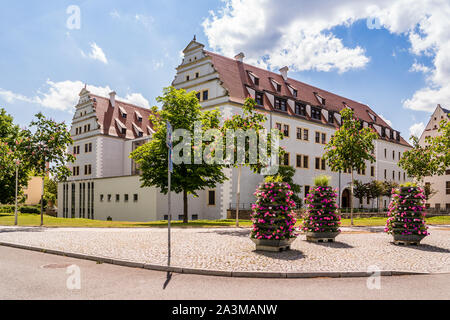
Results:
<point x="182" y="110"/>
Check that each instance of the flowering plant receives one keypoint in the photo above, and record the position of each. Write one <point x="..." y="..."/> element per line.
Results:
<point x="321" y="210"/>
<point x="273" y="216"/>
<point x="406" y="214"/>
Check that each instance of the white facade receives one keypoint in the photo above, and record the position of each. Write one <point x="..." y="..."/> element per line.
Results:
<point x="439" y="184"/>
<point x="113" y="173"/>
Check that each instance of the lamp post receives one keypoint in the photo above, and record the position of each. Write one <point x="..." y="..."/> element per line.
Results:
<point x="17" y="183"/>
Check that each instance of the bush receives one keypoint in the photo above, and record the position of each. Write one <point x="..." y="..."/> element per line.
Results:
<point x="322" y="180"/>
<point x="273" y="217"/>
<point x="406" y="215"/>
<point x="321" y="214"/>
<point x="7" y="209"/>
<point x="29" y="209"/>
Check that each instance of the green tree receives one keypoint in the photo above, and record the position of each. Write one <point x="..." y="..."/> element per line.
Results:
<point x="350" y="147"/>
<point x="360" y="191"/>
<point x="286" y="174"/>
<point x="50" y="190"/>
<point x="12" y="140"/>
<point x="440" y="146"/>
<point x="48" y="150"/>
<point x="249" y="120"/>
<point x="182" y="110"/>
<point x="375" y="191"/>
<point x="419" y="161"/>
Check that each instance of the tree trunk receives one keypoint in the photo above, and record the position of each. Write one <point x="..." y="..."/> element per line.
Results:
<point x="351" y="201"/>
<point x="185" y="207"/>
<point x="238" y="197"/>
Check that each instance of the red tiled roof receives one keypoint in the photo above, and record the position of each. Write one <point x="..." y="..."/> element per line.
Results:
<point x="235" y="78"/>
<point x="106" y="116"/>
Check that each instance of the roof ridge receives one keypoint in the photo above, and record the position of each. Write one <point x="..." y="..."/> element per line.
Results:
<point x="289" y="78"/>
<point x="121" y="101"/>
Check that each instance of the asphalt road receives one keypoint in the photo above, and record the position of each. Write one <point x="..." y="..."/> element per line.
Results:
<point x="33" y="275"/>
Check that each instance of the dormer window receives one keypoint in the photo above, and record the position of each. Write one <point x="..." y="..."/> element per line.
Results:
<point x="295" y="92"/>
<point x="259" y="98"/>
<point x="278" y="87"/>
<point x="319" y="98"/>
<point x="256" y="81"/>
<point x="123" y="112"/>
<point x="138" y="116"/>
<point x="398" y="137"/>
<point x="124" y="131"/>
<point x="280" y="104"/>
<point x="300" y="109"/>
<point x="315" y="113"/>
<point x="391" y="135"/>
<point x="330" y="117"/>
<point x="383" y="132"/>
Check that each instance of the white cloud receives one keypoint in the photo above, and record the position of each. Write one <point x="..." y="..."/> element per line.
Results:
<point x="417" y="129"/>
<point x="146" y="21"/>
<point x="389" y="122"/>
<point x="418" y="67"/>
<point x="63" y="95"/>
<point x="274" y="33"/>
<point x="96" y="53"/>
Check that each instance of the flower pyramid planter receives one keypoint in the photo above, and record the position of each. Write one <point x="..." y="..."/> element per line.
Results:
<point x="321" y="220"/>
<point x="273" y="217"/>
<point x="406" y="220"/>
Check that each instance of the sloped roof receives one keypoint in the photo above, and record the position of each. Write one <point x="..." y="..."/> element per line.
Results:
<point x="235" y="78"/>
<point x="106" y="116"/>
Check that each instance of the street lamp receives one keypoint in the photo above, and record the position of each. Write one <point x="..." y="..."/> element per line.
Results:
<point x="17" y="161"/>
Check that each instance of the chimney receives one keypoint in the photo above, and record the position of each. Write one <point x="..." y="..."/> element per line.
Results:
<point x="284" y="72"/>
<point x="112" y="98"/>
<point x="240" y="57"/>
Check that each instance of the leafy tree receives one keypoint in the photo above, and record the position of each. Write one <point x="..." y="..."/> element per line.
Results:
<point x="286" y="175"/>
<point x="440" y="146"/>
<point x="350" y="147"/>
<point x="182" y="110"/>
<point x="428" y="191"/>
<point x="50" y="190"/>
<point x="47" y="150"/>
<point x="360" y="191"/>
<point x="375" y="190"/>
<point x="419" y="161"/>
<point x="249" y="120"/>
<point x="12" y="140"/>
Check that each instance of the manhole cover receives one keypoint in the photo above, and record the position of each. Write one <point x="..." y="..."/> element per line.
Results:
<point x="56" y="266"/>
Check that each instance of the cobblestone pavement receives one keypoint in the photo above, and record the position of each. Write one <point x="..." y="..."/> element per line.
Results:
<point x="231" y="249"/>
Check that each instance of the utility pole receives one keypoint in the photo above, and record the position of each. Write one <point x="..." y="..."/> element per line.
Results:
<point x="17" y="183"/>
<point x="169" y="171"/>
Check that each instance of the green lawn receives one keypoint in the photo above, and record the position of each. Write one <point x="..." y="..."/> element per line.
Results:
<point x="34" y="220"/>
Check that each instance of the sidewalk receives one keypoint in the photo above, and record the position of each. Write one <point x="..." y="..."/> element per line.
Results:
<point x="230" y="250"/>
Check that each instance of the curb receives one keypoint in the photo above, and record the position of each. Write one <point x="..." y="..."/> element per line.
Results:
<point x="219" y="273"/>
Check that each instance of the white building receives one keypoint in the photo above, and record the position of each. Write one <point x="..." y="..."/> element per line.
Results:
<point x="308" y="116"/>
<point x="439" y="184"/>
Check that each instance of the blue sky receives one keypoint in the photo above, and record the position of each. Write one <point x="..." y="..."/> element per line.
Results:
<point x="133" y="48"/>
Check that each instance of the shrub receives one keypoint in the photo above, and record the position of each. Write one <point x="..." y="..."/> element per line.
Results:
<point x="7" y="209"/>
<point x="29" y="209"/>
<point x="406" y="215"/>
<point x="321" y="210"/>
<point x="273" y="217"/>
<point x="322" y="180"/>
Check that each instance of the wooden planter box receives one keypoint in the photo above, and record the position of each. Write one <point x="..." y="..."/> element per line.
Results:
<point x="273" y="245"/>
<point x="408" y="239"/>
<point x="321" y="236"/>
